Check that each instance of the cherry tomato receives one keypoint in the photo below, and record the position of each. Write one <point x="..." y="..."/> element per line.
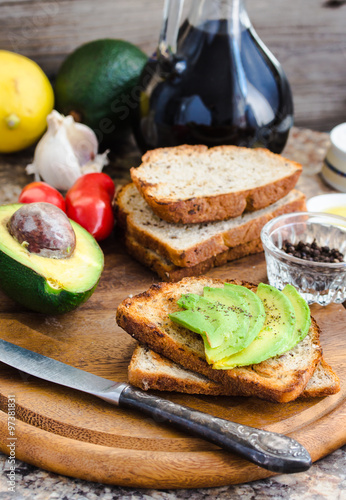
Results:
<point x="89" y="202"/>
<point x="41" y="191"/>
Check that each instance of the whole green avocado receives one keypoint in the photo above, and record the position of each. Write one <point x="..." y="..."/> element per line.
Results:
<point x="96" y="84"/>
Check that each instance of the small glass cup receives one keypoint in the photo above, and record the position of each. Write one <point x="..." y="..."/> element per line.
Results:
<point x="320" y="282"/>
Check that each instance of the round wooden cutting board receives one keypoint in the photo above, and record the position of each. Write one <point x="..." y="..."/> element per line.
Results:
<point x="80" y="436"/>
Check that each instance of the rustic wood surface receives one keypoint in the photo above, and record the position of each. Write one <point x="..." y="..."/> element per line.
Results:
<point x="74" y="434"/>
<point x="77" y="435"/>
<point x="308" y="38"/>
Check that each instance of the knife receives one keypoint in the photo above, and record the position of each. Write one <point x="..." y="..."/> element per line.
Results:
<point x="272" y="451"/>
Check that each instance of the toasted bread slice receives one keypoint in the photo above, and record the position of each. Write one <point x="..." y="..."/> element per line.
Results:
<point x="324" y="382"/>
<point x="167" y="271"/>
<point x="191" y="244"/>
<point x="193" y="184"/>
<point x="145" y="317"/>
<point x="149" y="370"/>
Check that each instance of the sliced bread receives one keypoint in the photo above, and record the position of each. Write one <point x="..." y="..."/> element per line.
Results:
<point x="324" y="382"/>
<point x="189" y="244"/>
<point x="149" y="370"/>
<point x="192" y="184"/>
<point x="145" y="317"/>
<point x="167" y="271"/>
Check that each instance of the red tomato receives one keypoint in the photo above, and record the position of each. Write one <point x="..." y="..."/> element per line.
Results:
<point x="40" y="191"/>
<point x="89" y="202"/>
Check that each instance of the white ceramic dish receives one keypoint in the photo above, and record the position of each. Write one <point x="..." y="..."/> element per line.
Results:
<point x="334" y="165"/>
<point x="325" y="202"/>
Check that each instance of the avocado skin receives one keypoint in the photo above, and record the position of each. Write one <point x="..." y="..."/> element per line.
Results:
<point x="98" y="83"/>
<point x="34" y="292"/>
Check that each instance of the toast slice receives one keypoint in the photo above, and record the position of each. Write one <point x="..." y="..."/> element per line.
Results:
<point x="167" y="271"/>
<point x="149" y="370"/>
<point x="193" y="184"/>
<point x="145" y="317"/>
<point x="191" y="244"/>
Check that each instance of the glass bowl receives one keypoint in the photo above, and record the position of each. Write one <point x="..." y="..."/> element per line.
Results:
<point x="320" y="282"/>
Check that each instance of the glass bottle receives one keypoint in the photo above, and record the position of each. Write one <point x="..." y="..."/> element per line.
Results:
<point x="212" y="81"/>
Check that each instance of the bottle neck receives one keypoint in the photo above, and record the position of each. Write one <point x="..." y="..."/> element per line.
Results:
<point x="231" y="12"/>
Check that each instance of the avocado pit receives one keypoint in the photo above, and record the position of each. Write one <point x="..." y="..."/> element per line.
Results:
<point x="43" y="229"/>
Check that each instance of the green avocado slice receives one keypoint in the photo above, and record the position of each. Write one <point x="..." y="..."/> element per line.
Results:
<point x="239" y="337"/>
<point x="256" y="308"/>
<point x="276" y="334"/>
<point x="47" y="285"/>
<point x="302" y="314"/>
<point x="214" y="321"/>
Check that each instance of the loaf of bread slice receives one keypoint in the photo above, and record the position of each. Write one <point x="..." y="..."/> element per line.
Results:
<point x="145" y="317"/>
<point x="186" y="245"/>
<point x="149" y="370"/>
<point x="167" y="271"/>
<point x="192" y="184"/>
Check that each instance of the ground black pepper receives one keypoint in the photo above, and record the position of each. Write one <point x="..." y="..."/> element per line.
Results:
<point x="312" y="252"/>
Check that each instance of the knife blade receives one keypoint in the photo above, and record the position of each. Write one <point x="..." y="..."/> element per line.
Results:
<point x="272" y="451"/>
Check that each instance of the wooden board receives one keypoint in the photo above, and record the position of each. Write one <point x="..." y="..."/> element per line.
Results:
<point x="80" y="436"/>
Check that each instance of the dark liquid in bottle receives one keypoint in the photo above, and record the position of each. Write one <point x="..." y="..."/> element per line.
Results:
<point x="215" y="91"/>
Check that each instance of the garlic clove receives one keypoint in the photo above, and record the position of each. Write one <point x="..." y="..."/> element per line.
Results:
<point x="65" y="152"/>
<point x="82" y="139"/>
<point x="97" y="164"/>
<point x="54" y="121"/>
<point x="55" y="161"/>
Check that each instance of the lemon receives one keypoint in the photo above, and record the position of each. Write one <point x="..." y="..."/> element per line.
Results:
<point x="26" y="98"/>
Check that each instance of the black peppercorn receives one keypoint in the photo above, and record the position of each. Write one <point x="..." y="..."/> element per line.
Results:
<point x="312" y="252"/>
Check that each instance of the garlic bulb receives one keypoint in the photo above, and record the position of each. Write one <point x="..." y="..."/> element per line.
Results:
<point x="66" y="151"/>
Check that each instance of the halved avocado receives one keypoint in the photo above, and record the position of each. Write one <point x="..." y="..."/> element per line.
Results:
<point x="48" y="285"/>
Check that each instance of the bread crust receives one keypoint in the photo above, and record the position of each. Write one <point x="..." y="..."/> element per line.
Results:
<point x="209" y="248"/>
<point x="167" y="271"/>
<point x="214" y="207"/>
<point x="268" y="380"/>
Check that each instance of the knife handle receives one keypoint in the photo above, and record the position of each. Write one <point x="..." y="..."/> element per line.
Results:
<point x="272" y="451"/>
